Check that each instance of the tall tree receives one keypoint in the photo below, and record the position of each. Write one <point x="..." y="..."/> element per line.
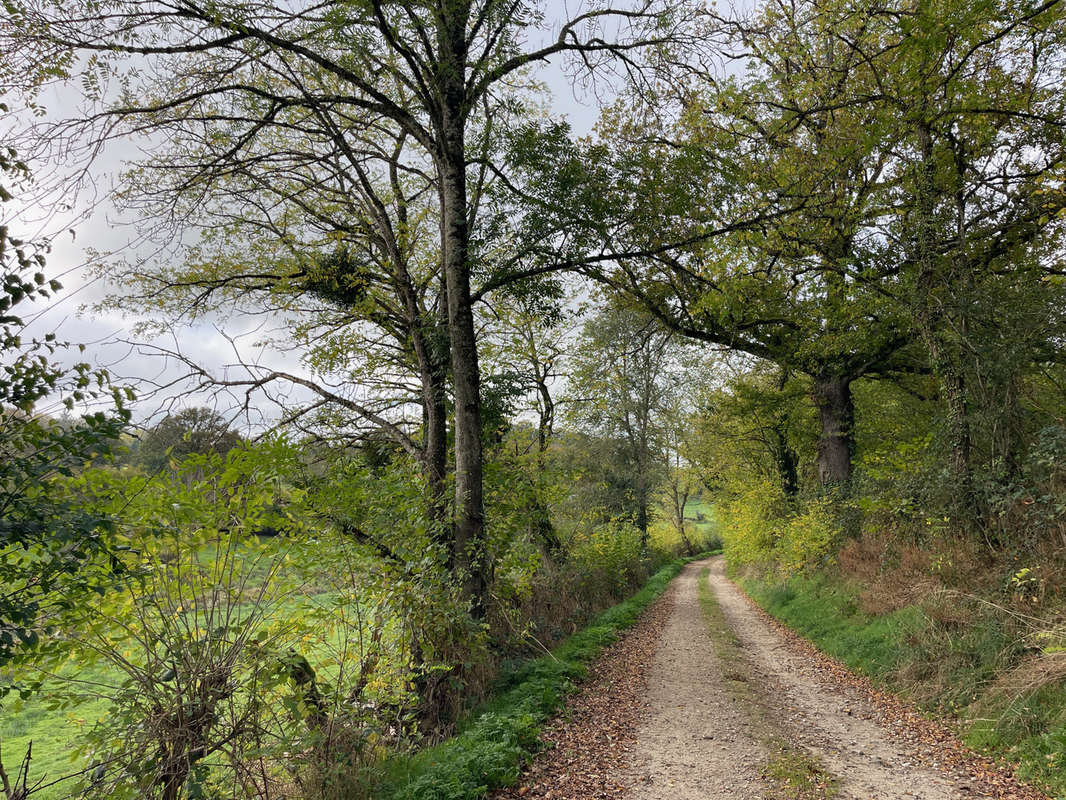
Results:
<point x="980" y="198"/>
<point x="792" y="288"/>
<point x="625" y="379"/>
<point x="757" y="424"/>
<point x="824" y="128"/>
<point x="245" y="70"/>
<point x="340" y="238"/>
<point x="198" y="431"/>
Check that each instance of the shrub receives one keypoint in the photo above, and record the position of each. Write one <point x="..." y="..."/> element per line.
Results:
<point x="751" y="524"/>
<point x="807" y="538"/>
<point x="761" y="528"/>
<point x="229" y="664"/>
<point x="608" y="557"/>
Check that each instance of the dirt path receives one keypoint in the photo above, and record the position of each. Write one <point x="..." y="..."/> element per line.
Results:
<point x="702" y="740"/>
<point x="707" y="701"/>
<point x="834" y="723"/>
<point x="695" y="742"/>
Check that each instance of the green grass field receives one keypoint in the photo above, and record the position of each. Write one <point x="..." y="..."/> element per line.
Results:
<point x="54" y="727"/>
<point x="700" y="515"/>
<point x="52" y="734"/>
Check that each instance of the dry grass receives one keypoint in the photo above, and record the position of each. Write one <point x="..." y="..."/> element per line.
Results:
<point x="1034" y="672"/>
<point x="896" y="573"/>
<point x="893" y="574"/>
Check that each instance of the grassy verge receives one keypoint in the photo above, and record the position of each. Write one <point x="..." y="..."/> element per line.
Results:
<point x="973" y="667"/>
<point x="827" y="613"/>
<point x="797" y="774"/>
<point x="496" y="740"/>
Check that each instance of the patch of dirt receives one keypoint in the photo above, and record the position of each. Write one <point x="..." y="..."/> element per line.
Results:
<point x="589" y="744"/>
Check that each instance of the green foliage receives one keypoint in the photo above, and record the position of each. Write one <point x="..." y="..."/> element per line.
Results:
<point x="52" y="550"/>
<point x="761" y="527"/>
<point x="607" y="554"/>
<point x="627" y="376"/>
<point x="378" y="504"/>
<point x="758" y="425"/>
<point x="1027" y="504"/>
<point x="313" y="650"/>
<point x="229" y="659"/>
<point x="495" y="741"/>
<point x="809" y="538"/>
<point x="191" y="431"/>
<point x="178" y="638"/>
<point x="751" y="524"/>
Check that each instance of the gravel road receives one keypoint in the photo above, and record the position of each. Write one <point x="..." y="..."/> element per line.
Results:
<point x="662" y="717"/>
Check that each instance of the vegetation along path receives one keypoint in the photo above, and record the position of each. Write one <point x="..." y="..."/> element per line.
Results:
<point x="736" y="707"/>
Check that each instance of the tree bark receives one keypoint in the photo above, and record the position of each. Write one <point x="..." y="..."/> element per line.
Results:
<point x="937" y="277"/>
<point x="427" y="333"/>
<point x="836" y="444"/>
<point x="953" y="387"/>
<point x="468" y="544"/>
<point x="435" y="465"/>
<point x="958" y="423"/>
<point x="680" y="498"/>
<point x="642" y="516"/>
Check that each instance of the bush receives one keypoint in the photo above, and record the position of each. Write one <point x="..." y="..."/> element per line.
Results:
<point x="220" y="662"/>
<point x="808" y="538"/>
<point x="607" y="557"/>
<point x="761" y="528"/>
<point x="751" y="524"/>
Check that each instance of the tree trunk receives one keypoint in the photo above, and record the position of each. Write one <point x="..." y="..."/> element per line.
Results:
<point x="954" y="389"/>
<point x="435" y="464"/>
<point x="641" y="498"/>
<point x="680" y="501"/>
<point x="786" y="459"/>
<point x="545" y="421"/>
<point x="787" y="463"/>
<point x="953" y="386"/>
<point x="468" y="545"/>
<point x="836" y="444"/>
<point x="642" y="518"/>
<point x="937" y="279"/>
<point x="643" y="467"/>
